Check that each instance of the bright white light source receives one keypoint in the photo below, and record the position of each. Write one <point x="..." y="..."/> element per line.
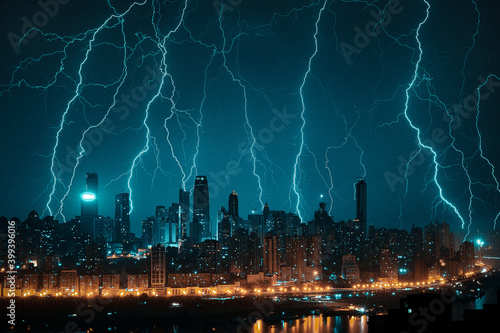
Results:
<point x="88" y="196"/>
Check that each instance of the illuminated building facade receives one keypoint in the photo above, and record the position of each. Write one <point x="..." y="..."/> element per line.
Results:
<point x="201" y="210"/>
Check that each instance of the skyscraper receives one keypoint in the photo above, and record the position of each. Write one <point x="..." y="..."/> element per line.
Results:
<point x="122" y="218"/>
<point x="361" y="205"/>
<point x="89" y="206"/>
<point x="89" y="197"/>
<point x="233" y="205"/>
<point x="184" y="221"/>
<point x="233" y="210"/>
<point x="201" y="210"/>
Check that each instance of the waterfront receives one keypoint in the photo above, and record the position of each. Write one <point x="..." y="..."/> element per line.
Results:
<point x="286" y="314"/>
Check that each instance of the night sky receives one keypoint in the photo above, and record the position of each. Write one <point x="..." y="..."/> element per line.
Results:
<point x="284" y="93"/>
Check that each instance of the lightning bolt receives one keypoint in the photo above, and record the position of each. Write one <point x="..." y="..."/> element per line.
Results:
<point x="472" y="46"/>
<point x="248" y="126"/>
<point x="79" y="87"/>
<point x="296" y="167"/>
<point x="81" y="150"/>
<point x="161" y="43"/>
<point x="418" y="131"/>
<point x="480" y="137"/>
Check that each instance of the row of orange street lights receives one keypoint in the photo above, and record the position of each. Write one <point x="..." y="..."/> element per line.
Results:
<point x="296" y="289"/>
<point x="213" y="292"/>
<point x="399" y="285"/>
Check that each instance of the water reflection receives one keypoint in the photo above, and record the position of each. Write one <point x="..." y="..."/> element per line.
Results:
<point x="315" y="323"/>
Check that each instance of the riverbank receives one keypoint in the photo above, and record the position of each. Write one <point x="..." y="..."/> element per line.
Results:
<point x="56" y="314"/>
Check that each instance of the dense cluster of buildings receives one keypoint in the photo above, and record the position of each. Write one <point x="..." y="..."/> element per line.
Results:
<point x="179" y="254"/>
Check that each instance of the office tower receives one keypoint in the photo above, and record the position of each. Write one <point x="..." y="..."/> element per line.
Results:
<point x="224" y="237"/>
<point x="224" y="230"/>
<point x="184" y="204"/>
<point x="158" y="266"/>
<point x="233" y="205"/>
<point x="173" y="224"/>
<point x="233" y="211"/>
<point x="361" y="205"/>
<point x="89" y="206"/>
<point x="89" y="197"/>
<point x="147" y="232"/>
<point x="201" y="210"/>
<point x="122" y="218"/>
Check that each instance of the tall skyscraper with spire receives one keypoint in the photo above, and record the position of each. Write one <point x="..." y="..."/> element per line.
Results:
<point x="201" y="209"/>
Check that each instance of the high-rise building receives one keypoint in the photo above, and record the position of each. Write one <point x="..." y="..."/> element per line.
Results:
<point x="272" y="255"/>
<point x="466" y="257"/>
<point x="361" y="204"/>
<point x="322" y="223"/>
<point x="266" y="211"/>
<point x="224" y="236"/>
<point x="89" y="206"/>
<point x="233" y="205"/>
<point x="438" y="238"/>
<point x="89" y="197"/>
<point x="295" y="255"/>
<point x="161" y="212"/>
<point x="184" y="204"/>
<point x="158" y="266"/>
<point x="389" y="265"/>
<point x="173" y="221"/>
<point x="122" y="218"/>
<point x="201" y="209"/>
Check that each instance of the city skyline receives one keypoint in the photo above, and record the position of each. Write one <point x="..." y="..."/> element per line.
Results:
<point x="90" y="197"/>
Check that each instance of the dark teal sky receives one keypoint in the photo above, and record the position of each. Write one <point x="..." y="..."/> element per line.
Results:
<point x="357" y="82"/>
